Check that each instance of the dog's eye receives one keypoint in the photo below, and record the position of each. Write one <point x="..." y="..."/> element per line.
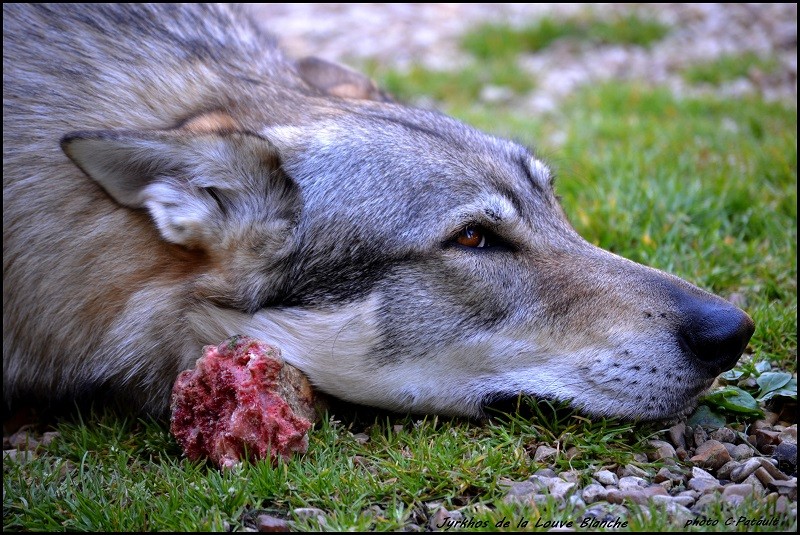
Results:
<point x="472" y="236"/>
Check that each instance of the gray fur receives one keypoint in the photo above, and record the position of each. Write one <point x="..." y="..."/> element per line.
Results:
<point x="171" y="179"/>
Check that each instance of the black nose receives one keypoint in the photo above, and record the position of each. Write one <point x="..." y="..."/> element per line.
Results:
<point x="715" y="331"/>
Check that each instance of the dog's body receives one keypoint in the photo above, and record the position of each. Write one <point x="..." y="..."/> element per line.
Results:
<point x="170" y="179"/>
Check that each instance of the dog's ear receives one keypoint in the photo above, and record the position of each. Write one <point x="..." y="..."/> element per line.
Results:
<point x="191" y="181"/>
<point x="336" y="80"/>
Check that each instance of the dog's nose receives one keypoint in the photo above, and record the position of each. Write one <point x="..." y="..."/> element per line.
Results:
<point x="715" y="331"/>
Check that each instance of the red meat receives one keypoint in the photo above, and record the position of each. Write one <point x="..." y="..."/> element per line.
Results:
<point x="241" y="402"/>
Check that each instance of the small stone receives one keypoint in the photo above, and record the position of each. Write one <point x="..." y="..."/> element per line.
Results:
<point x="761" y="424"/>
<point x="782" y="504"/>
<point x="361" y="438"/>
<point x="433" y="506"/>
<point x="441" y="515"/>
<point x="786" y="455"/>
<point x="542" y="483"/>
<point x="18" y="456"/>
<point x="631" y="482"/>
<point x="688" y="437"/>
<point x="68" y="467"/>
<point x="676" y="435"/>
<point x="655" y="490"/>
<point x="638" y="495"/>
<point x="742" y="452"/>
<point x="734" y="500"/>
<point x="633" y="470"/>
<point x="676" y="511"/>
<point x="764" y="476"/>
<point x="704" y="486"/>
<point x="747" y="383"/>
<point x="787" y="489"/>
<point x="594" y="493"/>
<point x="573" y="476"/>
<point x="724" y="472"/>
<point x="24" y="439"/>
<point x="632" y="495"/>
<point x="606" y="477"/>
<point x="766" y="437"/>
<point x="664" y="474"/>
<point x="701" y="474"/>
<point x="664" y="450"/>
<point x="561" y="489"/>
<point x="522" y="489"/>
<point x="742" y="472"/>
<point x="576" y="502"/>
<point x="711" y="454"/>
<point x="770" y="417"/>
<point x="738" y="490"/>
<point x="703" y="482"/>
<point x="753" y="480"/>
<point x="703" y="502"/>
<point x="572" y="453"/>
<point x="640" y="457"/>
<point x="700" y="436"/>
<point x="308" y="512"/>
<point x="663" y="499"/>
<point x="684" y="500"/>
<point x="724" y="434"/>
<point x="789" y="435"/>
<point x="544" y="453"/>
<point x="603" y="513"/>
<point x="397" y="428"/>
<point x="267" y="523"/>
<point x="772" y="470"/>
<point x="545" y="472"/>
<point x="48" y="437"/>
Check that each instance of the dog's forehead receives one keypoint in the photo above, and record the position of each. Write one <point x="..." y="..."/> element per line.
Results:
<point x="425" y="147"/>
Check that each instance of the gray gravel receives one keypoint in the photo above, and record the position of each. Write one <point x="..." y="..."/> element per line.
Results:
<point x="696" y="475"/>
<point x="398" y="35"/>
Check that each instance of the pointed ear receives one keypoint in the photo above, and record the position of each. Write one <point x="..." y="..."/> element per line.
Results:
<point x="336" y="80"/>
<point x="190" y="184"/>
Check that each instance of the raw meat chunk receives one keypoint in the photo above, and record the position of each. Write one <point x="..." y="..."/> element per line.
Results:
<point x="241" y="401"/>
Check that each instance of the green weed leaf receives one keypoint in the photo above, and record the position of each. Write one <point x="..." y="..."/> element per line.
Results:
<point x="733" y="399"/>
<point x="705" y="417"/>
<point x="770" y="381"/>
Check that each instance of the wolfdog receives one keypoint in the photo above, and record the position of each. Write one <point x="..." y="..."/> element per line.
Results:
<point x="170" y="179"/>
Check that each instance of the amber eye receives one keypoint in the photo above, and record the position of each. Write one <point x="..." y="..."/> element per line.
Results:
<point x="471" y="237"/>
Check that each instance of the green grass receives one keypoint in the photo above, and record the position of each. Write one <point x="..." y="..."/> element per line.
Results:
<point x="459" y="88"/>
<point x="704" y="188"/>
<point x="501" y="40"/>
<point x="117" y="474"/>
<point x="729" y="67"/>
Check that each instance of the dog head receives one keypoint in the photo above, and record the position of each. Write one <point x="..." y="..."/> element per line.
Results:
<point x="404" y="260"/>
